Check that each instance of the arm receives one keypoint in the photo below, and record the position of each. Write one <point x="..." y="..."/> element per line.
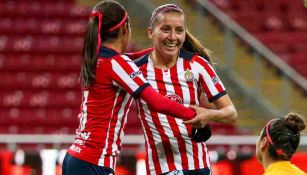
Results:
<point x="225" y="113"/>
<point x="157" y="102"/>
<point x="127" y="75"/>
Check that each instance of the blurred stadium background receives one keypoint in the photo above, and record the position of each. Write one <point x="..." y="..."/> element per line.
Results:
<point x="260" y="50"/>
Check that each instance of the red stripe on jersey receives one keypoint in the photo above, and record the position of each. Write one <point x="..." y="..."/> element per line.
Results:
<point x="164" y="137"/>
<point x="127" y="67"/>
<point x="123" y="123"/>
<point x="181" y="142"/>
<point x="147" y="162"/>
<point x="204" y="155"/>
<point x="195" y="155"/>
<point x="159" y="128"/>
<point x="149" y="134"/>
<point x="205" y="87"/>
<point x="210" y="71"/>
<point x="187" y="65"/>
<point x="112" y="126"/>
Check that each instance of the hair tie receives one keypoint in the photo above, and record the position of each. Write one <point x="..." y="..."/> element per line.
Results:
<point x="99" y="15"/>
<point x="279" y="152"/>
<point x="119" y="24"/>
<point x="267" y="131"/>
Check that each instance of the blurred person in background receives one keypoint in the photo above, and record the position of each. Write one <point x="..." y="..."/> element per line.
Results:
<point x="277" y="143"/>
<point x="179" y="68"/>
<point x="109" y="81"/>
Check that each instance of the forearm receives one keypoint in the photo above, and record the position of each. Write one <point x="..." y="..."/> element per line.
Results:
<point x="158" y="103"/>
<point x="227" y="114"/>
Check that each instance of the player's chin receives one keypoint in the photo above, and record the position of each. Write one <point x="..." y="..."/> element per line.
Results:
<point x="171" y="51"/>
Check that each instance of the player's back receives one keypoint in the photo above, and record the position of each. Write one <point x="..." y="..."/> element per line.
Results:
<point x="104" y="108"/>
<point x="283" y="168"/>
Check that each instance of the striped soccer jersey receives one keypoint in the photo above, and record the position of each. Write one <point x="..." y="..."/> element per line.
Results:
<point x="104" y="108"/>
<point x="168" y="143"/>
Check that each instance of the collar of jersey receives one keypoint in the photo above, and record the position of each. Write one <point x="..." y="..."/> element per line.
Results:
<point x="106" y="52"/>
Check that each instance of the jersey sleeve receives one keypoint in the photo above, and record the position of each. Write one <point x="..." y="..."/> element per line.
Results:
<point x="127" y="75"/>
<point x="209" y="80"/>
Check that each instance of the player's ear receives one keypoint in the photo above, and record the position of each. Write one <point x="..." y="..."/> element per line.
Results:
<point x="149" y="33"/>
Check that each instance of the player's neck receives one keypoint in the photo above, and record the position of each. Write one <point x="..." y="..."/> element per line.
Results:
<point x="116" y="45"/>
<point x="163" y="62"/>
<point x="268" y="161"/>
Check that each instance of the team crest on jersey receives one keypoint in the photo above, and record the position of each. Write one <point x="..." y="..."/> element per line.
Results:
<point x="188" y="75"/>
<point x="174" y="98"/>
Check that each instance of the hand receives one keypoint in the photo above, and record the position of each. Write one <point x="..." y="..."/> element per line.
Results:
<point x="201" y="119"/>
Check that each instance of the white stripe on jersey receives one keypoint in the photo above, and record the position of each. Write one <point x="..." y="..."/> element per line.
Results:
<point x="124" y="76"/>
<point x="155" y="133"/>
<point x="164" y="122"/>
<point x="104" y="151"/>
<point x="83" y="116"/>
<point x="133" y="66"/>
<point x="206" y="76"/>
<point x="149" y="150"/>
<point x="207" y="157"/>
<point x="186" y="97"/>
<point x="200" y="155"/>
<point x="192" y="149"/>
<point x="157" y="139"/>
<point x="119" y="122"/>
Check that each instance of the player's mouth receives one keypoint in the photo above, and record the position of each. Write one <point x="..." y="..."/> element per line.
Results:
<point x="170" y="45"/>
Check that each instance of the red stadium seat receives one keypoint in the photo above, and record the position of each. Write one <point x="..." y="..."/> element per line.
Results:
<point x="297" y="21"/>
<point x="44" y="9"/>
<point x="50" y="26"/>
<point x="50" y="44"/>
<point x="275" y="22"/>
<point x="254" y="25"/>
<point x="41" y="98"/>
<point x="40" y="59"/>
<point x="40" y="80"/>
<point x="40" y="62"/>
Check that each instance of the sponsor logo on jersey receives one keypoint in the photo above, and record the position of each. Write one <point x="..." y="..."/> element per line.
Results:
<point x="134" y="74"/>
<point x="84" y="135"/>
<point x="188" y="75"/>
<point x="174" y="98"/>
<point x="215" y="79"/>
<point x="75" y="148"/>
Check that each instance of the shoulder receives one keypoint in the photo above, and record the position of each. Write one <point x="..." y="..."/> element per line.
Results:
<point x="192" y="56"/>
<point x="142" y="60"/>
<point x="187" y="55"/>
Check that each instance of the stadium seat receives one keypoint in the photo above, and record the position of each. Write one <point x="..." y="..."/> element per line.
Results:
<point x="40" y="62"/>
<point x="63" y="9"/>
<point x="50" y="26"/>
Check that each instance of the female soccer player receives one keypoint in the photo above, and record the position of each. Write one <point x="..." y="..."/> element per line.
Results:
<point x="277" y="143"/>
<point x="181" y="76"/>
<point x="109" y="81"/>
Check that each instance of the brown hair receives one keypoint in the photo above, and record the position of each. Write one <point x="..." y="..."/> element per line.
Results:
<point x="284" y="136"/>
<point x="112" y="13"/>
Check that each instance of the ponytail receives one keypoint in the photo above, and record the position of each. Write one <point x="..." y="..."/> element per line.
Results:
<point x="192" y="44"/>
<point x="104" y="26"/>
<point x="89" y="53"/>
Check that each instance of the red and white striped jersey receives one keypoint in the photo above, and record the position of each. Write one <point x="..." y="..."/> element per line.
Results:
<point x="104" y="108"/>
<point x="168" y="141"/>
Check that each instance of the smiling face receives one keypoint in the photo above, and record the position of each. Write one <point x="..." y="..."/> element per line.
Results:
<point x="168" y="34"/>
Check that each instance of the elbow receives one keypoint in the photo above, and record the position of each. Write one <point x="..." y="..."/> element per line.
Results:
<point x="233" y="116"/>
